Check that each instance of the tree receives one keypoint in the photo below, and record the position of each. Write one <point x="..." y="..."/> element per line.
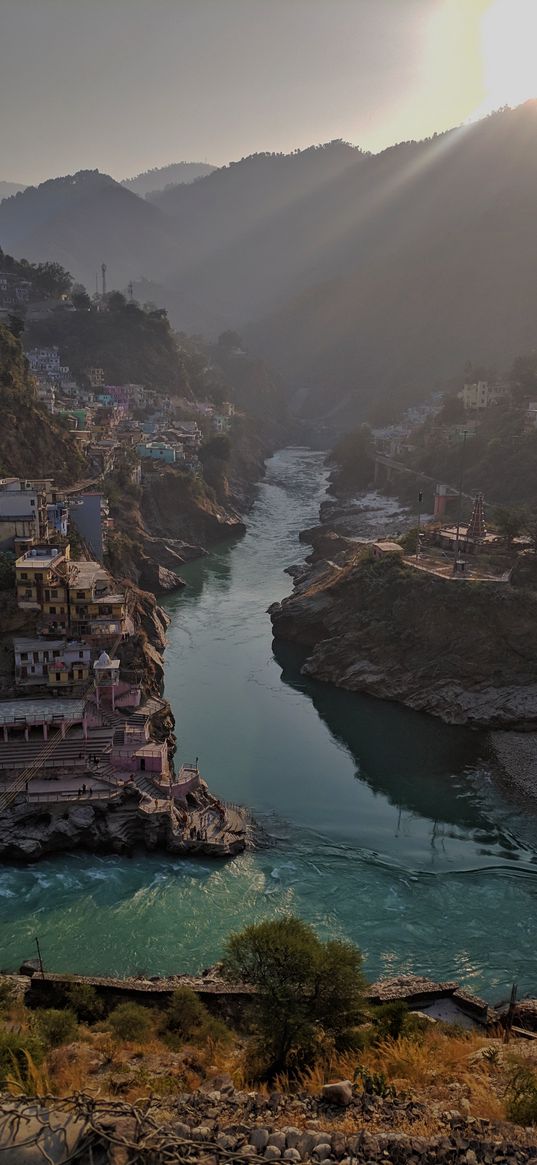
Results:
<point x="509" y="523"/>
<point x="307" y="990"/>
<point x="80" y="298"/>
<point x="51" y="279"/>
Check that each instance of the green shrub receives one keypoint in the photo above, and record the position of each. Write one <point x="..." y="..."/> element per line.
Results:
<point x="522" y="1095"/>
<point x="85" y="1002"/>
<point x="390" y="1019"/>
<point x="56" y="1027"/>
<point x="130" y="1021"/>
<point x="187" y="1018"/>
<point x="15" y="1048"/>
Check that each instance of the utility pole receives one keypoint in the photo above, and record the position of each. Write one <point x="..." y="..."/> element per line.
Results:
<point x="420" y="500"/>
<point x="459" y="509"/>
<point x="41" y="967"/>
<point x="103" y="273"/>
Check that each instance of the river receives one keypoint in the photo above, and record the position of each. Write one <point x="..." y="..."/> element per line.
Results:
<point x="387" y="827"/>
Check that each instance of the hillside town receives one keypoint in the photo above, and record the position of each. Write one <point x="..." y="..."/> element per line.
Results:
<point x="83" y="724"/>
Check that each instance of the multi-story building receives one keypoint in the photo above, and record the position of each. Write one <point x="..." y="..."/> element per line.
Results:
<point x="45" y="362"/>
<point x="482" y="394"/>
<point x="95" y="377"/>
<point x="42" y="584"/>
<point x="23" y="511"/>
<point x="14" y="291"/>
<point x="96" y="611"/>
<point x="158" y="451"/>
<point x="53" y="663"/>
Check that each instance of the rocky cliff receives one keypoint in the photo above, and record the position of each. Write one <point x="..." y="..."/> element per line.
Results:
<point x="465" y="651"/>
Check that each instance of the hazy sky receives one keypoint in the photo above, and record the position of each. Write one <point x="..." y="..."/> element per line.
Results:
<point x="124" y="85"/>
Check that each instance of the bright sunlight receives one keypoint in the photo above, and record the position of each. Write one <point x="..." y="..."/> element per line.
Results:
<point x="509" y="35"/>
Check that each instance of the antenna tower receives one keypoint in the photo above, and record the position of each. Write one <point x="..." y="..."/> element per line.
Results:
<point x="103" y="273"/>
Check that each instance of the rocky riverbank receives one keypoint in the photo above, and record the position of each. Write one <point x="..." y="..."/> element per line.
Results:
<point x="126" y="821"/>
<point x="466" y="652"/>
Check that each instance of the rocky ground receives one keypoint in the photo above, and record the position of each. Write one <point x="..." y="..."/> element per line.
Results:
<point x="222" y="1124"/>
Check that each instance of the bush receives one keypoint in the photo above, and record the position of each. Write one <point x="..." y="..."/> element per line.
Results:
<point x="56" y="1027"/>
<point x="17" y="1051"/>
<point x="130" y="1021"/>
<point x="522" y="1096"/>
<point x="187" y="1018"/>
<point x="390" y="1019"/>
<point x="85" y="1002"/>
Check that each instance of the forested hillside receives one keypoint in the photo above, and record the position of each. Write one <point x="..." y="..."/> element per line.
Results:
<point x="160" y="177"/>
<point x="364" y="278"/>
<point x="31" y="440"/>
<point x="131" y="344"/>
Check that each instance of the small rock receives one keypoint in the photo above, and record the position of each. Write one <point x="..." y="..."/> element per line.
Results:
<point x="259" y="1139"/>
<point x="323" y="1151"/>
<point x="471" y="1157"/>
<point x="291" y="1155"/>
<point x="340" y="1093"/>
<point x="292" y="1137"/>
<point x="277" y="1139"/>
<point x="272" y="1153"/>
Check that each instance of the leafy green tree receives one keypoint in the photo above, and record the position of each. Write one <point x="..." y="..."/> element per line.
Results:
<point x="509" y="523"/>
<point x="307" y="991"/>
<point x="51" y="279"/>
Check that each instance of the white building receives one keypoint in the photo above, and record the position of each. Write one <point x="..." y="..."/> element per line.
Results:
<point x="482" y="394"/>
<point x="54" y="662"/>
<point x="45" y="362"/>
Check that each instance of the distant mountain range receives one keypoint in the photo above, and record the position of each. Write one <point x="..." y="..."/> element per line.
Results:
<point x="363" y="278"/>
<point x="160" y="177"/>
<point x="9" y="188"/>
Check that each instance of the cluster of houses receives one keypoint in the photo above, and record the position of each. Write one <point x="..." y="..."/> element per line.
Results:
<point x="104" y="418"/>
<point x="70" y="687"/>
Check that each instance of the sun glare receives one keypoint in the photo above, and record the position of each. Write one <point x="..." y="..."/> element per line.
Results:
<point x="508" y="41"/>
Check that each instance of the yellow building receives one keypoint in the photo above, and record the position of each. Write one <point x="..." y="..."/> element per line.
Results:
<point x="42" y="584"/>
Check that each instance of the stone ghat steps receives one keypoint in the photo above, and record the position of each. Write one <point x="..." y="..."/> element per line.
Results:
<point x="22" y="754"/>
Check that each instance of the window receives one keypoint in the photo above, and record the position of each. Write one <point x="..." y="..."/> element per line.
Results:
<point x="80" y="594"/>
<point x="52" y="611"/>
<point x="58" y="675"/>
<point x="81" y="655"/>
<point x="54" y="594"/>
<point x="38" y="577"/>
<point x="24" y="655"/>
<point x="24" y="574"/>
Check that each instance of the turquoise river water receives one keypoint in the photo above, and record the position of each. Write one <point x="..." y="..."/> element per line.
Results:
<point x="387" y="827"/>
